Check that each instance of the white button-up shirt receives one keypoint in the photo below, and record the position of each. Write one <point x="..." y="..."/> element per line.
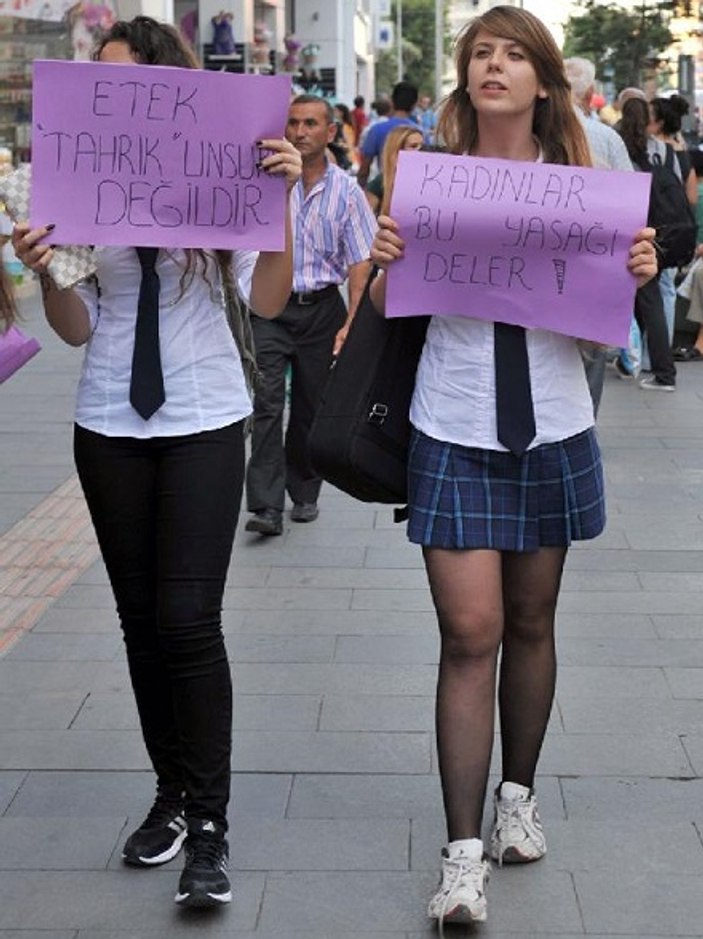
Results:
<point x="203" y="377"/>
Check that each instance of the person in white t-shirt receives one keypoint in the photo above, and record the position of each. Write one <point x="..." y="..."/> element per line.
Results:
<point x="494" y="510"/>
<point x="163" y="482"/>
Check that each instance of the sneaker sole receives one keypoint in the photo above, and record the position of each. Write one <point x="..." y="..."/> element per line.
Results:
<point x="202" y="900"/>
<point x="164" y="858"/>
<point x="513" y="856"/>
<point x="462" y="915"/>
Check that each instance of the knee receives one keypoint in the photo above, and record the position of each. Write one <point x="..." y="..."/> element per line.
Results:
<point x="530" y="621"/>
<point x="472" y="639"/>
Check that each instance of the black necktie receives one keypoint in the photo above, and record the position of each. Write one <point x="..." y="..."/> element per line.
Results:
<point x="515" y="416"/>
<point x="146" y="390"/>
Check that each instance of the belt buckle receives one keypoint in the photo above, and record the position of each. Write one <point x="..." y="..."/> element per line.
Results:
<point x="303" y="299"/>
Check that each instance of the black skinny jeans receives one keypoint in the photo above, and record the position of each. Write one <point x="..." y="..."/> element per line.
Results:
<point x="165" y="512"/>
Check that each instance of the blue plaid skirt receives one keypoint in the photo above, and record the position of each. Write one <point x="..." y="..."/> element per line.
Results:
<point x="464" y="497"/>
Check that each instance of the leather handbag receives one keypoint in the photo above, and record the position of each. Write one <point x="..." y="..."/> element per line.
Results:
<point x="360" y="434"/>
<point x="16" y="349"/>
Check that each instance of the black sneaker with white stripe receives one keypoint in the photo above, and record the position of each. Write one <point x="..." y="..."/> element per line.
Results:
<point x="159" y="837"/>
<point x="204" y="881"/>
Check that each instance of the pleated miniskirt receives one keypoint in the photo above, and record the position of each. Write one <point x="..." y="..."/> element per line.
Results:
<point x="465" y="497"/>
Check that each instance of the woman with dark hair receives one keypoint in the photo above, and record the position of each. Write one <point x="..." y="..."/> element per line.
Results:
<point x="650" y="313"/>
<point x="163" y="482"/>
<point x="666" y="116"/>
<point x="496" y="511"/>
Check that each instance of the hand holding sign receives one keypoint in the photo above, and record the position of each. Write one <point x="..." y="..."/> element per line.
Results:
<point x="534" y="244"/>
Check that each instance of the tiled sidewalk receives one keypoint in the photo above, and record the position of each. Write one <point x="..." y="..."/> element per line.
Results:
<point x="336" y="812"/>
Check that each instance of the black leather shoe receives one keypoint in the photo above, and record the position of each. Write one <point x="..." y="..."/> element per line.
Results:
<point x="304" y="512"/>
<point x="266" y="522"/>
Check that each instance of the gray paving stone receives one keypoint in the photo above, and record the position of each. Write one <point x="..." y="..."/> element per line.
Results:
<point x="273" y="598"/>
<point x="334" y="555"/>
<point x="42" y="647"/>
<point x="602" y="581"/>
<point x="396" y="650"/>
<point x="639" y="799"/>
<point x="389" y="796"/>
<point x="10" y="783"/>
<point x="612" y="682"/>
<point x="209" y="931"/>
<point x="320" y="845"/>
<point x="630" y="715"/>
<point x="614" y="755"/>
<point x="325" y="622"/>
<point x="121" y="899"/>
<point x="604" y="625"/>
<point x="377" y="712"/>
<point x="648" y="603"/>
<point x="60" y="620"/>
<point x="340" y="679"/>
<point x="650" y="653"/>
<point x="685" y="682"/>
<point x="72" y="749"/>
<point x="39" y="934"/>
<point x="87" y="597"/>
<point x="277" y="648"/>
<point x="693" y="745"/>
<point x="592" y="559"/>
<point x="45" y="844"/>
<point x="633" y="903"/>
<point x="392" y="599"/>
<point x="52" y="677"/>
<point x="370" y="578"/>
<point x="77" y="794"/>
<point x="277" y="712"/>
<point x="39" y="711"/>
<point x="263" y="751"/>
<point x="678" y="627"/>
<point x="519" y="900"/>
<point x="402" y="556"/>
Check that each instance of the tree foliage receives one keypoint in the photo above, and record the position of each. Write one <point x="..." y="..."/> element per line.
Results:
<point x="418" y="48"/>
<point x="623" y="43"/>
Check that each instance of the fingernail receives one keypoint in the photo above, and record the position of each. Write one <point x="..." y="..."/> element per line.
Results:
<point x="50" y="227"/>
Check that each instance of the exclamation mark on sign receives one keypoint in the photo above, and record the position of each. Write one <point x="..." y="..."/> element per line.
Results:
<point x="560" y="271"/>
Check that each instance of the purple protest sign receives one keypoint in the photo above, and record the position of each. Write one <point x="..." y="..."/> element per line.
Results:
<point x="150" y="155"/>
<point x="535" y="244"/>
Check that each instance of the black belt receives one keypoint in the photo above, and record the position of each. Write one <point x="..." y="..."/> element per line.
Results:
<point x="305" y="299"/>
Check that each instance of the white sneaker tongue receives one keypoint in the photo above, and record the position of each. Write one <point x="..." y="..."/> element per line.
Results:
<point x="510" y="790"/>
<point x="471" y="848"/>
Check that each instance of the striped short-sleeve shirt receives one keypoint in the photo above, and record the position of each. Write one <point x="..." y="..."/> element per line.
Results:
<point x="333" y="228"/>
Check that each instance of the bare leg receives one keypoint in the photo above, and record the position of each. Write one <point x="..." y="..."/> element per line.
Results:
<point x="466" y="588"/>
<point x="528" y="661"/>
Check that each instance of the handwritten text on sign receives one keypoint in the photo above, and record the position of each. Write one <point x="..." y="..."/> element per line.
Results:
<point x="148" y="155"/>
<point x="529" y="243"/>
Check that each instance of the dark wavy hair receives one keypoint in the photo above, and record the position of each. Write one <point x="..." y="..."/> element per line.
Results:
<point x="633" y="128"/>
<point x="8" y="310"/>
<point x="150" y="42"/>
<point x="670" y="111"/>
<point x="555" y="123"/>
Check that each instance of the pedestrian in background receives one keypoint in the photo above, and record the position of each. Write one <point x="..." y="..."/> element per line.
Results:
<point x="333" y="227"/>
<point x="159" y="448"/>
<point x="608" y="152"/>
<point x="378" y="190"/>
<point x="504" y="472"/>
<point x="404" y="99"/>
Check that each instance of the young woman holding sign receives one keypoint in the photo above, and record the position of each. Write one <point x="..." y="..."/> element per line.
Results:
<point x="504" y="472"/>
<point x="162" y="473"/>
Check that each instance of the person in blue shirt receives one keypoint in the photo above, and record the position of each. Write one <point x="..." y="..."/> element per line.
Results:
<point x="404" y="98"/>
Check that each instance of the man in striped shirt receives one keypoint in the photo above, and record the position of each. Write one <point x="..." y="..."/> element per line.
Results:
<point x="333" y="228"/>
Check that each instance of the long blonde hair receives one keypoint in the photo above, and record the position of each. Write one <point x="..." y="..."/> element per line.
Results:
<point x="555" y="123"/>
<point x="395" y="142"/>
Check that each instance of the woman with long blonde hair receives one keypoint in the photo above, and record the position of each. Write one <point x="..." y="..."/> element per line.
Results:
<point x="495" y="513"/>
<point x="378" y="191"/>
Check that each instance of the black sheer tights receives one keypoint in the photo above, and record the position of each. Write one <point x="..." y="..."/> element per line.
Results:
<point x="483" y="599"/>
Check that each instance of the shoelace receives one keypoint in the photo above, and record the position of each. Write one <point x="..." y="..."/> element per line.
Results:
<point x="509" y="818"/>
<point x="458" y="869"/>
<point x="162" y="812"/>
<point x="206" y="852"/>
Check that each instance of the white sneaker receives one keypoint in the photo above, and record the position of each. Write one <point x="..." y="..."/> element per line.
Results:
<point x="517" y="835"/>
<point x="461" y="896"/>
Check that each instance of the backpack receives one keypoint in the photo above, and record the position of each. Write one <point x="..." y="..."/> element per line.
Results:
<point x="669" y="212"/>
